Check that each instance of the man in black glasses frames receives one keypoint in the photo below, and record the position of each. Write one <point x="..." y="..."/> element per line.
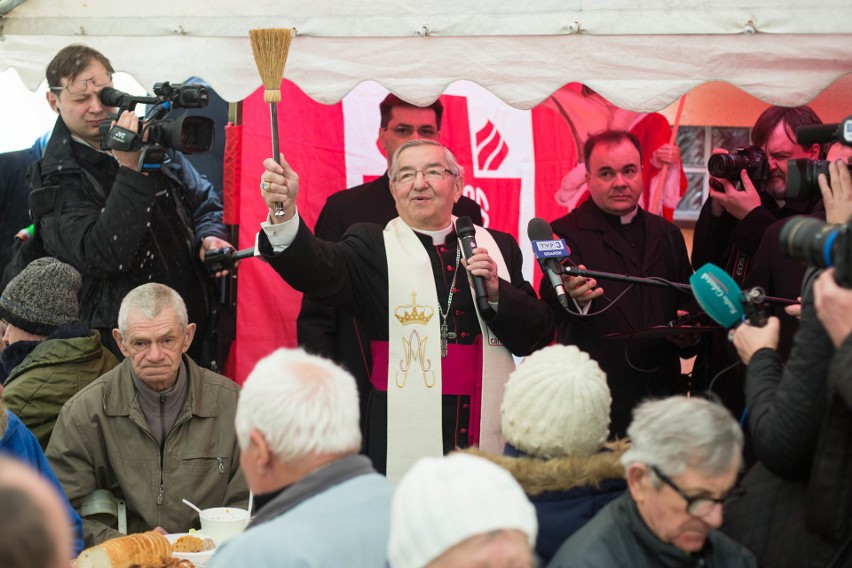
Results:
<point x="681" y="467"/>
<point x="331" y="333"/>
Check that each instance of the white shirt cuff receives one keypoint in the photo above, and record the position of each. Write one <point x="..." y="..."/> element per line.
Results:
<point x="281" y="235"/>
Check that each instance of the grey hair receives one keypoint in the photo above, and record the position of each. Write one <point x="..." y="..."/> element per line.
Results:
<point x="151" y="300"/>
<point x="302" y="404"/>
<point x="452" y="163"/>
<point x="677" y="433"/>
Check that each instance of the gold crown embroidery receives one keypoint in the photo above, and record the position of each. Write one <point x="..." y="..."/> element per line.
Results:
<point x="414" y="313"/>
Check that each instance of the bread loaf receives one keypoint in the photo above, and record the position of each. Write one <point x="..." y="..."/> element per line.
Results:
<point x="141" y="548"/>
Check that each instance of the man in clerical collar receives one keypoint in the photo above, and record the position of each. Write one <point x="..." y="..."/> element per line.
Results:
<point x="155" y="430"/>
<point x="431" y="347"/>
<point x="611" y="233"/>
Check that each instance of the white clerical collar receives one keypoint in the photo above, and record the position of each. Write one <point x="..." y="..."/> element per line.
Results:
<point x="438" y="237"/>
<point x="628" y="218"/>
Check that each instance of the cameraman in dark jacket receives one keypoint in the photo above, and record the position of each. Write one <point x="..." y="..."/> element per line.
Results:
<point x="797" y="509"/>
<point x="731" y="226"/>
<point x="119" y="226"/>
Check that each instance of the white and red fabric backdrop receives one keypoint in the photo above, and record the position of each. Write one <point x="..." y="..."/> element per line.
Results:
<point x="514" y="162"/>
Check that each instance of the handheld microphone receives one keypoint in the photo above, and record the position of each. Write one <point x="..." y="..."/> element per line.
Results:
<point x="467" y="238"/>
<point x="548" y="251"/>
<point x="723" y="300"/>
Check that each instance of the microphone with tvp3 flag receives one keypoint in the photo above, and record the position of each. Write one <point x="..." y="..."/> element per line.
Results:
<point x="723" y="300"/>
<point x="549" y="252"/>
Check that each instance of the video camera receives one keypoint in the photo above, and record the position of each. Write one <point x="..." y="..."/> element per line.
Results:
<point x="749" y="158"/>
<point x="188" y="134"/>
<point x="808" y="240"/>
<point x="803" y="174"/>
<point x="817" y="243"/>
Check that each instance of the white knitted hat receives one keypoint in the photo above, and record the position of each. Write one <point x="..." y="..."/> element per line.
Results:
<point x="441" y="502"/>
<point x="556" y="404"/>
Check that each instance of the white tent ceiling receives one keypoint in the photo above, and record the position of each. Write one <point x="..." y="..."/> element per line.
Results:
<point x="640" y="54"/>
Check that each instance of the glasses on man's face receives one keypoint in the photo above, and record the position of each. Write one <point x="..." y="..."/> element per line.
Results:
<point x="435" y="173"/>
<point x="405" y="131"/>
<point x="80" y="86"/>
<point x="698" y="506"/>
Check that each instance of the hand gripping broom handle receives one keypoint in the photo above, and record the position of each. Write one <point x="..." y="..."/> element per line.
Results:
<point x="276" y="153"/>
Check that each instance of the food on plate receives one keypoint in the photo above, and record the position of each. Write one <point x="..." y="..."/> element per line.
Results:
<point x="190" y="543"/>
<point x="168" y="563"/>
<point x="126" y="551"/>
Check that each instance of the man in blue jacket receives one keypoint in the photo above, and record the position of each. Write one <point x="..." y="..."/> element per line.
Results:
<point x="20" y="443"/>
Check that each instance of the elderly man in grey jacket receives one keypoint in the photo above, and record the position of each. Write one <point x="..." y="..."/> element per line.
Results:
<point x="153" y="431"/>
<point x="682" y="465"/>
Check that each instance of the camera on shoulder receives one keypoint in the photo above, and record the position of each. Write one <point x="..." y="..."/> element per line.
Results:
<point x="188" y="134"/>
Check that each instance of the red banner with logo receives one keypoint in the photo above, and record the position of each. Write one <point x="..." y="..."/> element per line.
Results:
<point x="516" y="165"/>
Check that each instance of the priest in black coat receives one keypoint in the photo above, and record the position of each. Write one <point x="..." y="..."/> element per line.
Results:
<point x="358" y="276"/>
<point x="336" y="334"/>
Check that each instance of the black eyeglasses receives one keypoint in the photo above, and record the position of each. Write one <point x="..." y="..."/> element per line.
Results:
<point x="423" y="131"/>
<point x="80" y="86"/>
<point x="698" y="506"/>
<point x="433" y="174"/>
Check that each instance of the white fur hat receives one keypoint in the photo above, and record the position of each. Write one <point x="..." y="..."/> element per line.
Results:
<point x="441" y="502"/>
<point x="556" y="404"/>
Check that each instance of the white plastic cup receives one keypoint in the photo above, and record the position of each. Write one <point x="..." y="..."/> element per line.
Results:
<point x="223" y="522"/>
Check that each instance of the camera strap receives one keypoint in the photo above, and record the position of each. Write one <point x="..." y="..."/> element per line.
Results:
<point x="122" y="139"/>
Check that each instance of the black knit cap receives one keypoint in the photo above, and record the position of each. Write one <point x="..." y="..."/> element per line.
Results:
<point x="42" y="297"/>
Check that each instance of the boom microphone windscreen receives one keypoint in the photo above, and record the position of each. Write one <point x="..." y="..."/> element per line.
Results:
<point x="718" y="295"/>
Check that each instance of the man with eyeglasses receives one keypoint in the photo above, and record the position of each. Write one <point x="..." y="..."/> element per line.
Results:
<point x="681" y="467"/>
<point x="335" y="334"/>
<point x="439" y="365"/>
<point x="118" y="226"/>
<point x="611" y="233"/>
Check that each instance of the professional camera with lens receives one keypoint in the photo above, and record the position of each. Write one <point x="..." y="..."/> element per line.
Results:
<point x="749" y="158"/>
<point x="817" y="243"/>
<point x="803" y="178"/>
<point x="188" y="134"/>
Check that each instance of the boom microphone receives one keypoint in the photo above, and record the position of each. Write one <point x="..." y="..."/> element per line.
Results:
<point x="823" y="133"/>
<point x="723" y="300"/>
<point x="467" y="238"/>
<point x="548" y="251"/>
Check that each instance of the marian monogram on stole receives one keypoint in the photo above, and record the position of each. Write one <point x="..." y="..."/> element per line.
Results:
<point x="413" y="346"/>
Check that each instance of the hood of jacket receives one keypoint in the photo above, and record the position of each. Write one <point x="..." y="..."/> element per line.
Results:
<point x="537" y="476"/>
<point x="62" y="351"/>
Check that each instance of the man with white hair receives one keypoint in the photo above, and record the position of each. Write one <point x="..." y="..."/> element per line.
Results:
<point x="153" y="431"/>
<point x="681" y="467"/>
<point x="319" y="503"/>
<point x="460" y="510"/>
